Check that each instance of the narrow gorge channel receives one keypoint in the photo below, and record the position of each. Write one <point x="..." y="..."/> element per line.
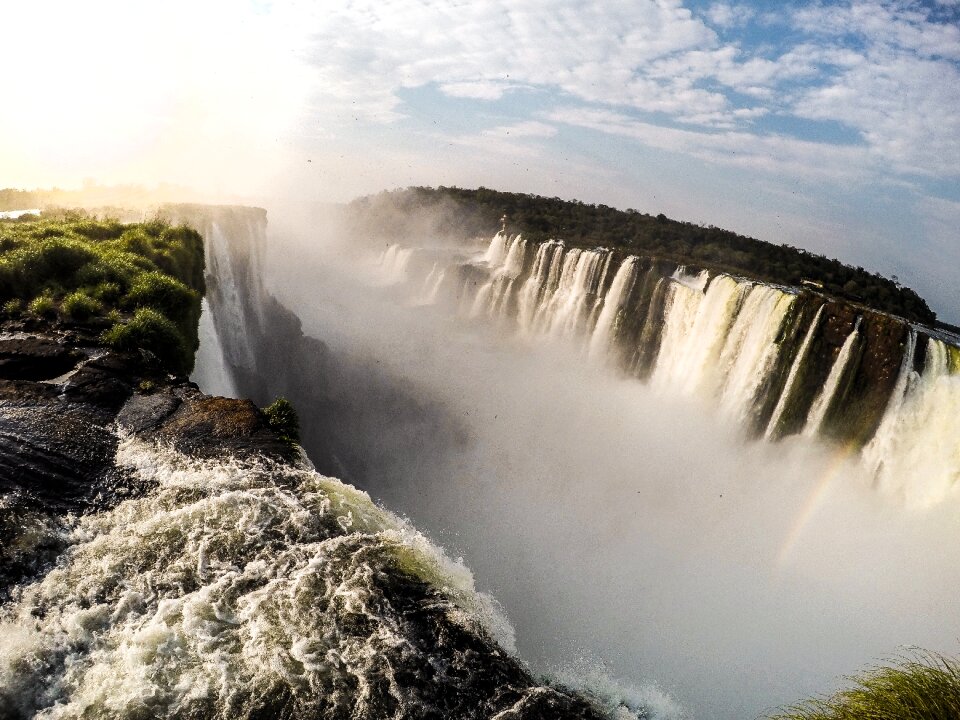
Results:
<point x="707" y="495"/>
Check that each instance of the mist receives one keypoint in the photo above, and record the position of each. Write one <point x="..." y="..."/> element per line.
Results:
<point x="629" y="535"/>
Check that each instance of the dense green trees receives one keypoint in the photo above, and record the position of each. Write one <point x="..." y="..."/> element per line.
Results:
<point x="478" y="212"/>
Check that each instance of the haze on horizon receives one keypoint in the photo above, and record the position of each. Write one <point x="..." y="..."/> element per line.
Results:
<point x="833" y="126"/>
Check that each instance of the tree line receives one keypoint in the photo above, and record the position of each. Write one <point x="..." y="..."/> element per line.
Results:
<point x="478" y="212"/>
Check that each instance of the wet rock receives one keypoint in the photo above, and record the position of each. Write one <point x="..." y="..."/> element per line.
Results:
<point x="103" y="381"/>
<point x="204" y="426"/>
<point x="36" y="358"/>
<point x="145" y="412"/>
<point x="56" y="455"/>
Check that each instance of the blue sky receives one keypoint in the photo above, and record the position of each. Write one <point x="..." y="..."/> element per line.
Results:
<point x="833" y="126"/>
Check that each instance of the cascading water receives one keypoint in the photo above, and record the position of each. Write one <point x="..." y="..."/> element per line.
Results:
<point x="211" y="364"/>
<point x="785" y="395"/>
<point x="542" y="282"/>
<point x="821" y="406"/>
<point x="697" y="327"/>
<point x="494" y="297"/>
<point x="613" y="307"/>
<point x="750" y="350"/>
<point x="394" y="264"/>
<point x="705" y="335"/>
<point x="565" y="311"/>
<point x="915" y="453"/>
<point x="432" y="285"/>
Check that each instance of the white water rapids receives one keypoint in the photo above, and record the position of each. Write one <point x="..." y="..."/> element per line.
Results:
<point x="232" y="589"/>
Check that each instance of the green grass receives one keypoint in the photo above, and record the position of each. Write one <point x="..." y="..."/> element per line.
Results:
<point x="79" y="306"/>
<point x="144" y="281"/>
<point x="923" y="687"/>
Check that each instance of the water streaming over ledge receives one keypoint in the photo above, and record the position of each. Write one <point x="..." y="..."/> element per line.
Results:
<point x="777" y="360"/>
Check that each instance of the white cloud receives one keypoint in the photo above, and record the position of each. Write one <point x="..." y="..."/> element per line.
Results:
<point x="902" y="93"/>
<point x="483" y="90"/>
<point x="728" y="15"/>
<point x="594" y="51"/>
<point x="907" y="26"/>
<point x="775" y="154"/>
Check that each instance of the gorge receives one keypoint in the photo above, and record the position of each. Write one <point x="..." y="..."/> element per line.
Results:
<point x="695" y="495"/>
<point x="454" y="380"/>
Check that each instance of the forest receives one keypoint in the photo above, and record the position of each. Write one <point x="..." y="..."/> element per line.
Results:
<point x="458" y="211"/>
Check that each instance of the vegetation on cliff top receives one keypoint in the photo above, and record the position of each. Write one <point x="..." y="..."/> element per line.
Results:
<point x="478" y="212"/>
<point x="925" y="688"/>
<point x="141" y="282"/>
<point x="283" y="420"/>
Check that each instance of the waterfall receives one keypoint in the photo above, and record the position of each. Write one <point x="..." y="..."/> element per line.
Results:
<point x="915" y="452"/>
<point x="697" y="324"/>
<point x="565" y="312"/>
<point x="494" y="297"/>
<point x="431" y="286"/>
<point x="821" y="406"/>
<point x="543" y="280"/>
<point x="211" y="370"/>
<point x="497" y="251"/>
<point x="795" y="367"/>
<point x="612" y="309"/>
<point x="232" y="310"/>
<point x="880" y="446"/>
<point x="394" y="263"/>
<point x="715" y="337"/>
<point x="751" y="349"/>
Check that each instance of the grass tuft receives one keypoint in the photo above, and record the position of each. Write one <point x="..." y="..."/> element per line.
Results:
<point x="152" y="331"/>
<point x="79" y="306"/>
<point x="925" y="686"/>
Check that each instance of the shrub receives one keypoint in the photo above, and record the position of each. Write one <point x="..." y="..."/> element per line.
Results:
<point x="107" y="229"/>
<point x="79" y="306"/>
<point x="108" y="292"/>
<point x="152" y="331"/>
<point x="162" y="292"/>
<point x="52" y="260"/>
<point x="12" y="307"/>
<point x="171" y="297"/>
<point x="282" y="418"/>
<point x="42" y="306"/>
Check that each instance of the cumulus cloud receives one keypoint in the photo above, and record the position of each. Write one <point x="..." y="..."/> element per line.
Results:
<point x="728" y="15"/>
<point x="906" y="108"/>
<point x="593" y="51"/>
<point x="897" y="87"/>
<point x="775" y="154"/>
